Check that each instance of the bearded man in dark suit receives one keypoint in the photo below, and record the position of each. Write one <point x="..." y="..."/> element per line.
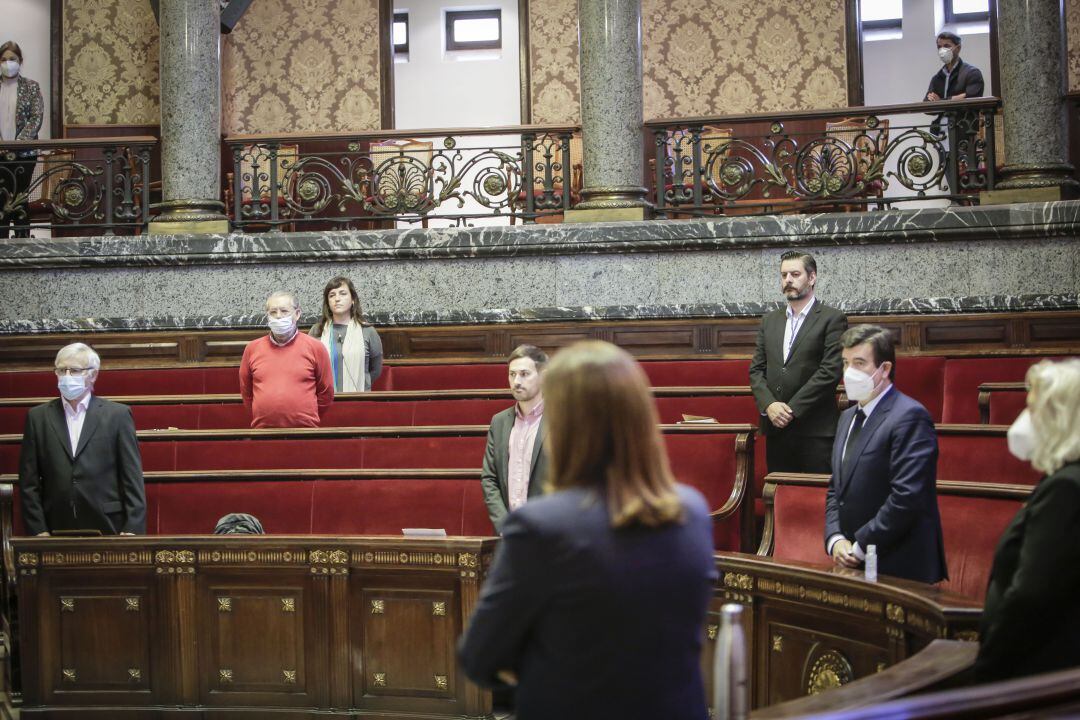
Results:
<point x="80" y="467"/>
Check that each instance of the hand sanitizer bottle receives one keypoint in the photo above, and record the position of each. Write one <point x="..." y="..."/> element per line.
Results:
<point x="871" y="563"/>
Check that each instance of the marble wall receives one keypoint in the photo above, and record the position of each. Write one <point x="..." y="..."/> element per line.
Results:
<point x="952" y="260"/>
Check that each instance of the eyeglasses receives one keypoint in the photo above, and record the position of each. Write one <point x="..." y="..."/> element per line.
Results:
<point x="61" y="372"/>
<point x="280" y="312"/>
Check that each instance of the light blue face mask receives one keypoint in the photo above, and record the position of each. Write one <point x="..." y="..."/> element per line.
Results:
<point x="71" y="387"/>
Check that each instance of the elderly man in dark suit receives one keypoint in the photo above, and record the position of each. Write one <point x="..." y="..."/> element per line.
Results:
<point x="514" y="461"/>
<point x="80" y="467"/>
<point x="795" y="370"/>
<point x="883" y="489"/>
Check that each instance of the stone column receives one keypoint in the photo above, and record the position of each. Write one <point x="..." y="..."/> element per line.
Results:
<point x="611" y="110"/>
<point x="1032" y="66"/>
<point x="190" y="64"/>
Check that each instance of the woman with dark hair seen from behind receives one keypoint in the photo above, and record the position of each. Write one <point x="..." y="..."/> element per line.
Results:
<point x="1030" y="622"/>
<point x="21" y="111"/>
<point x="595" y="605"/>
<point x="355" y="349"/>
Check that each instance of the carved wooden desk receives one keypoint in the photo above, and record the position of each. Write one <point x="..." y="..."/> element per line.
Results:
<point x="231" y="626"/>
<point x="812" y="628"/>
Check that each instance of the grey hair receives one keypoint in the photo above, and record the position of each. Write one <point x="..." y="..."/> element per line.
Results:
<point x="83" y="350"/>
<point x="284" y="293"/>
<point x="1054" y="403"/>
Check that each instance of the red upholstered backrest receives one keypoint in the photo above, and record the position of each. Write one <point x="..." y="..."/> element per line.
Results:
<point x="667" y="373"/>
<point x="283" y="507"/>
<point x="13" y="419"/>
<point x="130" y="381"/>
<point x="9" y="458"/>
<point x="458" y="412"/>
<point x="37" y="383"/>
<point x="981" y="458"/>
<point x="387" y="506"/>
<point x="799" y="523"/>
<point x="360" y="413"/>
<point x="1006" y="406"/>
<point x="923" y="378"/>
<point x="474" y="519"/>
<point x="964" y="375"/>
<point x="724" y="408"/>
<point x="972" y="527"/>
<point x="707" y="462"/>
<point x="448" y="377"/>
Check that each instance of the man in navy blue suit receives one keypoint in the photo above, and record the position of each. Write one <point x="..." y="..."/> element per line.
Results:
<point x="883" y="487"/>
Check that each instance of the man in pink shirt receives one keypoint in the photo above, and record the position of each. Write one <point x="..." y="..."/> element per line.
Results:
<point x="514" y="462"/>
<point x="285" y="377"/>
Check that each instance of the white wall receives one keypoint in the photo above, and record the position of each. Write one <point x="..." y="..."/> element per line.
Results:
<point x="436" y="89"/>
<point x="899" y="70"/>
<point x="27" y="23"/>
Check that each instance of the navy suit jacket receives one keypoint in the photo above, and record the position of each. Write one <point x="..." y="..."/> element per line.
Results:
<point x="95" y="486"/>
<point x="595" y="621"/>
<point x="885" y="493"/>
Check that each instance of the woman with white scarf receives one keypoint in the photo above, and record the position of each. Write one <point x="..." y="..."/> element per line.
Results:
<point x="355" y="349"/>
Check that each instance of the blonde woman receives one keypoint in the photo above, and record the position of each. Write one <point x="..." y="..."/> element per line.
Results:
<point x="595" y="605"/>
<point x="1030" y="621"/>
<point x="355" y="349"/>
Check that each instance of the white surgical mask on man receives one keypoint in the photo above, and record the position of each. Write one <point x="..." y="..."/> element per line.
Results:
<point x="71" y="386"/>
<point x="282" y="326"/>
<point x="1021" y="437"/>
<point x="945" y="55"/>
<point x="858" y="385"/>
<point x="10" y="68"/>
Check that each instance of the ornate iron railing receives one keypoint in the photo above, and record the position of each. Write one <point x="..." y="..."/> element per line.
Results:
<point x="855" y="156"/>
<point x="411" y="176"/>
<point x="97" y="186"/>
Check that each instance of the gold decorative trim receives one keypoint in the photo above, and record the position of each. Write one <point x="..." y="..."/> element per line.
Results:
<point x="132" y="604"/>
<point x="739" y="581"/>
<point x="712" y="631"/>
<point x="135" y="674"/>
<point x="261" y="557"/>
<point x="966" y="635"/>
<point x="69" y="675"/>
<point x="225" y="676"/>
<point x="438" y="608"/>
<point x="423" y="559"/>
<point x="67" y="604"/>
<point x="467" y="560"/>
<point x="894" y="613"/>
<point x="224" y="604"/>
<point x="378" y="679"/>
<point x="778" y="643"/>
<point x="441" y="682"/>
<point x="320" y="558"/>
<point x="831" y="670"/>
<point x="819" y="596"/>
<point x="288" y="604"/>
<point x="880" y="666"/>
<point x="290" y="676"/>
<point x="378" y="607"/>
<point x="183" y="558"/>
<point x="28" y="559"/>
<point x="107" y="557"/>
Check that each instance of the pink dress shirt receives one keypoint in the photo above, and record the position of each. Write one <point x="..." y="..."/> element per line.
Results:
<point x="522" y="442"/>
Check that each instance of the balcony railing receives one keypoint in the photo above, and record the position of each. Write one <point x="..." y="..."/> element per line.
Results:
<point x="848" y="158"/>
<point x="380" y="179"/>
<point x="92" y="186"/>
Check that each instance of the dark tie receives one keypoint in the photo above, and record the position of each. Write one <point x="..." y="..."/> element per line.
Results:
<point x="856" y="428"/>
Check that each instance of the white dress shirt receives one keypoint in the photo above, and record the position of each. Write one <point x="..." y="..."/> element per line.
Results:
<point x="75" y="417"/>
<point x="793" y="325"/>
<point x="866" y="409"/>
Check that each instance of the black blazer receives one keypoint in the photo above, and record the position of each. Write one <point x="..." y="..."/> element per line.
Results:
<point x="496" y="468"/>
<point x="884" y="493"/>
<point x="596" y="622"/>
<point x="807" y="381"/>
<point x="1030" y="622"/>
<point x="99" y="486"/>
<point x="965" y="78"/>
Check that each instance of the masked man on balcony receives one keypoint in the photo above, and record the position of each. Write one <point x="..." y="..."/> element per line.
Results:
<point x="956" y="79"/>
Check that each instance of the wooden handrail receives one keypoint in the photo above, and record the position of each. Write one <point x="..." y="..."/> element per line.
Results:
<point x="930" y="108"/>
<point x="989" y="388"/>
<point x="78" y="142"/>
<point x="396" y="134"/>
<point x="280" y="475"/>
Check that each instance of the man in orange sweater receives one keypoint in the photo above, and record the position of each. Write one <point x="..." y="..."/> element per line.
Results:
<point x="285" y="377"/>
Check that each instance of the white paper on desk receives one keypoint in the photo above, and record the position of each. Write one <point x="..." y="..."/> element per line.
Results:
<point x="423" y="532"/>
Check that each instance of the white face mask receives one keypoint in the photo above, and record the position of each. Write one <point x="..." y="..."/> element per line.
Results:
<point x="1021" y="437"/>
<point x="282" y="326"/>
<point x="945" y="55"/>
<point x="71" y="386"/>
<point x="10" y="68"/>
<point x="858" y="385"/>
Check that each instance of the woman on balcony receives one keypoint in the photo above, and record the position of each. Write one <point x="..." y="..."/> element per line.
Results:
<point x="595" y="605"/>
<point x="21" y="110"/>
<point x="355" y="349"/>
<point x="1030" y="624"/>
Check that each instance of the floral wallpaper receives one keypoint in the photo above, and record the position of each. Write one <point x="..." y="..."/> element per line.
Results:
<point x="553" y="61"/>
<point x="110" y="63"/>
<point x="303" y="66"/>
<point x="705" y="58"/>
<point x="1072" y="44"/>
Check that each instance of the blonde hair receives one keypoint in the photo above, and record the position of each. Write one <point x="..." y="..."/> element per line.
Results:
<point x="602" y="433"/>
<point x="1054" y="403"/>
